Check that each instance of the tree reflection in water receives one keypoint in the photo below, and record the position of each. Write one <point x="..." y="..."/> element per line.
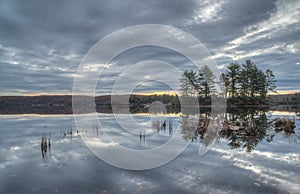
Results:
<point x="243" y="128"/>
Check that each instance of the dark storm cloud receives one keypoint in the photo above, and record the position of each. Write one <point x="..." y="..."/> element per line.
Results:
<point x="43" y="42"/>
<point x="78" y="24"/>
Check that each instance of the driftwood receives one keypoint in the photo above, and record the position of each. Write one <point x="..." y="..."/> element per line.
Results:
<point x="285" y="125"/>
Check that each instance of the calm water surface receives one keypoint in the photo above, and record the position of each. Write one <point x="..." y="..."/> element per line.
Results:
<point x="271" y="165"/>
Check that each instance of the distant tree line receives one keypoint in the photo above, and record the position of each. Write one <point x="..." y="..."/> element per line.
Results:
<point x="147" y="99"/>
<point x="138" y="103"/>
<point x="285" y="99"/>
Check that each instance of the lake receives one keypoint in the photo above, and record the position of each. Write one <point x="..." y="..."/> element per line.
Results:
<point x="46" y="154"/>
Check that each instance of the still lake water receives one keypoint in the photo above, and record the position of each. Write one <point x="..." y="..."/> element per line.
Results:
<point x="271" y="166"/>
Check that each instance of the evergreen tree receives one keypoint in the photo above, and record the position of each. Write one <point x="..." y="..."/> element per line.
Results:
<point x="207" y="80"/>
<point x="193" y="80"/>
<point x="233" y="75"/>
<point x="227" y="84"/>
<point x="185" y="85"/>
<point x="270" y="81"/>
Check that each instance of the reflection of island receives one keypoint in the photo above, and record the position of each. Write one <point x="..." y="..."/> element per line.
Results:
<point x="242" y="129"/>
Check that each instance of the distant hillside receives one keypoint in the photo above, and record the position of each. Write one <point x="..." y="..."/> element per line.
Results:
<point x="36" y="104"/>
<point x="285" y="99"/>
<point x="62" y="104"/>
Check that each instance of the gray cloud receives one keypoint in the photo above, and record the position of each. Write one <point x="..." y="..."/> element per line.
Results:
<point x="43" y="42"/>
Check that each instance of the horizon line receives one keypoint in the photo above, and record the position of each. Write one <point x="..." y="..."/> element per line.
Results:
<point x="159" y="93"/>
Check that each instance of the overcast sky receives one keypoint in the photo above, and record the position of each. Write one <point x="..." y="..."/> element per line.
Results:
<point x="43" y="42"/>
